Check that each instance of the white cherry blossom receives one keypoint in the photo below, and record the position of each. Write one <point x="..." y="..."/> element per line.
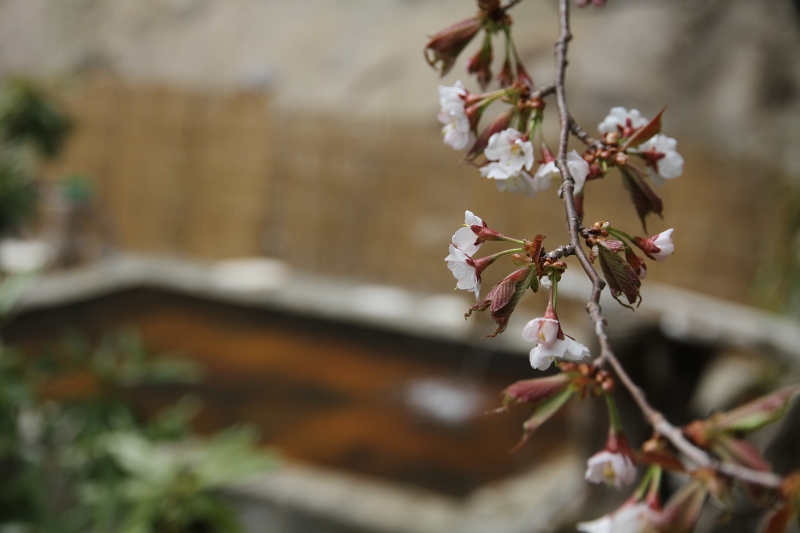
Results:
<point x="663" y="160"/>
<point x="523" y="182"/>
<point x="614" y="468"/>
<point x="618" y="118"/>
<point x="452" y="95"/>
<point x="457" y="130"/>
<point x="630" y="518"/>
<point x="551" y="341"/>
<point x="459" y="264"/>
<point x="464" y="238"/>
<point x="509" y="153"/>
<point x="548" y="172"/>
<point x="657" y="247"/>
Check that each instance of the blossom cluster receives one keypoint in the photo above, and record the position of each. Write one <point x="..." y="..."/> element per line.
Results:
<point x="511" y="150"/>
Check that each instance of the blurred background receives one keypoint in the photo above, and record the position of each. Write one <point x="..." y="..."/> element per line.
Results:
<point x="224" y="298"/>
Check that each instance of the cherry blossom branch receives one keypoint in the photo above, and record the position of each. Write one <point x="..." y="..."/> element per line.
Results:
<point x="581" y="134"/>
<point x="656" y="419"/>
<point x="562" y="251"/>
<point x="544" y="90"/>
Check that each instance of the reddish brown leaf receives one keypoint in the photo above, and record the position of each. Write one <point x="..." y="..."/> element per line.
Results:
<point x="613" y="245"/>
<point x="446" y="45"/>
<point x="644" y="198"/>
<point x="645" y="132"/>
<point x="779" y="520"/>
<point x="535" y="390"/>
<point x="663" y="458"/>
<point x="621" y="278"/>
<point x="504" y="297"/>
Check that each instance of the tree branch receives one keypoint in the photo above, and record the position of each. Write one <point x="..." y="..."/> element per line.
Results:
<point x="660" y="424"/>
<point x="581" y="134"/>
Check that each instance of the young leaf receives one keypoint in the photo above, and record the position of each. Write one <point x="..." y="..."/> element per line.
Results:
<point x="644" y="198"/>
<point x="619" y="275"/>
<point x="645" y="132"/>
<point x="613" y="245"/>
<point x="542" y="414"/>
<point x="535" y="390"/>
<point x="758" y="413"/>
<point x="504" y="297"/>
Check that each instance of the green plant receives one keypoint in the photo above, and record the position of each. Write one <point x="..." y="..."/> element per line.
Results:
<point x="80" y="458"/>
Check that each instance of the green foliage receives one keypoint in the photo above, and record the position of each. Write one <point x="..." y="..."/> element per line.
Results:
<point x="29" y="116"/>
<point x="86" y="461"/>
<point x="169" y="486"/>
<point x="19" y="197"/>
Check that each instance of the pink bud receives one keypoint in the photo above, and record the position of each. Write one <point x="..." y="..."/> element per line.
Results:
<point x="506" y="76"/>
<point x="536" y="390"/>
<point x="487" y="234"/>
<point x="658" y="247"/>
<point x="444" y="47"/>
<point x="481" y="264"/>
<point x="523" y="76"/>
<point x="481" y="64"/>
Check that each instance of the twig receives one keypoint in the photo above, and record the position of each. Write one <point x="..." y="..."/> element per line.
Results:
<point x="660" y="424"/>
<point x="562" y="251"/>
<point x="545" y="90"/>
<point x="581" y="134"/>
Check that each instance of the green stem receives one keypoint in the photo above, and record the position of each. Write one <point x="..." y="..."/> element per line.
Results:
<point x="613" y="413"/>
<point x="554" y="283"/>
<point x="619" y="233"/>
<point x="534" y="123"/>
<point x="513" y="48"/>
<point x="644" y="486"/>
<point x="509" y="239"/>
<point x="498" y="255"/>
<point x="655" y="484"/>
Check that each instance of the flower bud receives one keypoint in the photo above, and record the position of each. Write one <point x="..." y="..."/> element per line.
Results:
<point x="523" y="77"/>
<point x="535" y="390"/>
<point x="506" y="76"/>
<point x="481" y="64"/>
<point x="611" y="138"/>
<point x="444" y="47"/>
<point x="658" y="247"/>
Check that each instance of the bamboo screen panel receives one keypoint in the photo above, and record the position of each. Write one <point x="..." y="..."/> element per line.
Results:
<point x="220" y="175"/>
